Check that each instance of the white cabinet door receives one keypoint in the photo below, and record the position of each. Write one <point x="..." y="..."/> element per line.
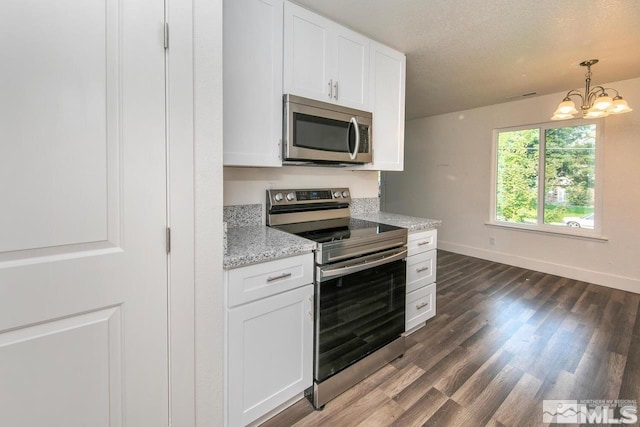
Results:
<point x="269" y="353"/>
<point x="252" y="78"/>
<point x="83" y="267"/>
<point x="387" y="90"/>
<point x="307" y="54"/>
<point x="351" y="70"/>
<point x="323" y="60"/>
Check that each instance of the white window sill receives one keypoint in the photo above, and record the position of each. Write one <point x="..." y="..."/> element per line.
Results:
<point x="551" y="231"/>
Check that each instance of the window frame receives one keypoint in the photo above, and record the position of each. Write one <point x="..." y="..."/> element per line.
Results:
<point x="540" y="226"/>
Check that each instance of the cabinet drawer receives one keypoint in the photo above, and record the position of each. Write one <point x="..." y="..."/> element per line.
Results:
<point x="262" y="280"/>
<point x="422" y="241"/>
<point x="421" y="306"/>
<point x="421" y="267"/>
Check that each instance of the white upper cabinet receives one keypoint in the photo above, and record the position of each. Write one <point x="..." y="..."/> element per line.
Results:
<point x="252" y="78"/>
<point x="307" y="55"/>
<point x="387" y="91"/>
<point x="323" y="60"/>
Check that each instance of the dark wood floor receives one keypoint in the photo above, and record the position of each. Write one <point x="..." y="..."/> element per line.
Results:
<point x="504" y="339"/>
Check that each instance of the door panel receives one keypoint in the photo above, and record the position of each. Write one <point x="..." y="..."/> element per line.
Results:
<point x="83" y="268"/>
<point x="81" y="353"/>
<point x="56" y="120"/>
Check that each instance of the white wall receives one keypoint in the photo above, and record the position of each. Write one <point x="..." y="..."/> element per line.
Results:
<point x="448" y="176"/>
<point x="244" y="186"/>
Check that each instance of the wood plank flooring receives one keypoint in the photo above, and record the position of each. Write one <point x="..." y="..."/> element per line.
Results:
<point x="504" y="339"/>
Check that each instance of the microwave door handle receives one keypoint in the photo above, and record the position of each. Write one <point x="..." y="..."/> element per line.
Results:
<point x="354" y="122"/>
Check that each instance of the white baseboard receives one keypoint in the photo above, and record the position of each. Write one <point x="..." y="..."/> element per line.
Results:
<point x="604" y="279"/>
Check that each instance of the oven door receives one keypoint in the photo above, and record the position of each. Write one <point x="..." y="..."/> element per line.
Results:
<point x="315" y="131"/>
<point x="360" y="307"/>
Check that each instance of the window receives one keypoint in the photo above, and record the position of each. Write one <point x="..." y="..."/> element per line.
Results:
<point x="545" y="177"/>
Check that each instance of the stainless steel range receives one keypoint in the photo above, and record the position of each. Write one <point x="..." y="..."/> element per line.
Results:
<point x="360" y="284"/>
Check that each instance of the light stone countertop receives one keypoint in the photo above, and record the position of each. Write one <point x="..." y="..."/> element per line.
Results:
<point x="259" y="243"/>
<point x="411" y="223"/>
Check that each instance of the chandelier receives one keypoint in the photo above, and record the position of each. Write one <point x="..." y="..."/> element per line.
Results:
<point x="596" y="102"/>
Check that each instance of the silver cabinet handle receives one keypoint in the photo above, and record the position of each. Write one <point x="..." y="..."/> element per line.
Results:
<point x="330" y="94"/>
<point x="311" y="306"/>
<point x="282" y="276"/>
<point x="421" y="305"/>
<point x="335" y="90"/>
<point x="421" y="269"/>
<point x="425" y="242"/>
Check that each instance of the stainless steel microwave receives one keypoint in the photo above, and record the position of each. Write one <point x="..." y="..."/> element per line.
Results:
<point x="322" y="133"/>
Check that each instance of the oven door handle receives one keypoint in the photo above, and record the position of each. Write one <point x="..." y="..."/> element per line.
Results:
<point x="324" y="274"/>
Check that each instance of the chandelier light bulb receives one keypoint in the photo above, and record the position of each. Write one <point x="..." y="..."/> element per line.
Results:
<point x="595" y="113"/>
<point x="603" y="102"/>
<point x="561" y="116"/>
<point x="619" y="106"/>
<point x="566" y="107"/>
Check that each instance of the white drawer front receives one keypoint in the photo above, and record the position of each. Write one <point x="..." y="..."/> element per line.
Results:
<point x="422" y="241"/>
<point x="421" y="306"/>
<point x="262" y="280"/>
<point x="421" y="267"/>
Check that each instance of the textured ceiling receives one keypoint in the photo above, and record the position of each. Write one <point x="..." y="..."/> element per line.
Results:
<point x="469" y="53"/>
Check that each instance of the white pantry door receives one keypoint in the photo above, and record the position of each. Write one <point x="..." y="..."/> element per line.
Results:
<point x="83" y="268"/>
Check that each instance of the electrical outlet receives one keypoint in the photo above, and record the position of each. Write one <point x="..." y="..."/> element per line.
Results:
<point x="492" y="240"/>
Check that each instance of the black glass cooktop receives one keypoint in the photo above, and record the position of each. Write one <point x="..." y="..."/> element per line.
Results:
<point x="331" y="230"/>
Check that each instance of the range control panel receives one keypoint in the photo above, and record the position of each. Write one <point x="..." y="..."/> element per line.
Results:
<point x="308" y="196"/>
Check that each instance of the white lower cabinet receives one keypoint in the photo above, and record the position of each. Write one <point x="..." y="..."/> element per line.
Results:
<point x="269" y="355"/>
<point x="421" y="277"/>
<point x="421" y="306"/>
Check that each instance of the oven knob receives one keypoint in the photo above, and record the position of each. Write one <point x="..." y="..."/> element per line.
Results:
<point x="278" y="197"/>
<point x="345" y="194"/>
<point x="291" y="196"/>
<point x="337" y="195"/>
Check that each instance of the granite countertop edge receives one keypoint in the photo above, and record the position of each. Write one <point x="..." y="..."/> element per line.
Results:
<point x="411" y="223"/>
<point x="258" y="243"/>
<point x="255" y="244"/>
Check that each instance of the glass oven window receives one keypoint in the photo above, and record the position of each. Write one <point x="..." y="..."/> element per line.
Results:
<point x="359" y="313"/>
